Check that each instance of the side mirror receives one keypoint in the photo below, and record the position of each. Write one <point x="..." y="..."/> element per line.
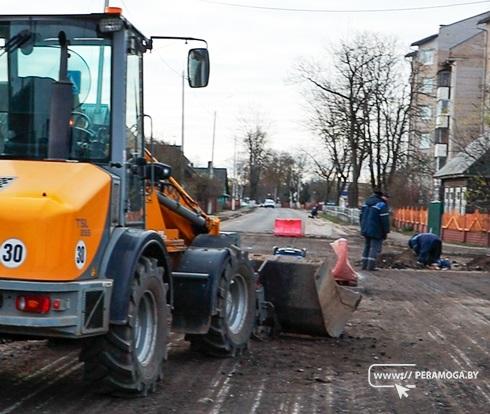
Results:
<point x="198" y="67"/>
<point x="158" y="171"/>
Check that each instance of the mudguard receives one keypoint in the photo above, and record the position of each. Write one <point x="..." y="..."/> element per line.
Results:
<point x="196" y="282"/>
<point x="124" y="250"/>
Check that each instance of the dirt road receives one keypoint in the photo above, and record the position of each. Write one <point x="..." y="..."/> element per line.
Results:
<point x="438" y="321"/>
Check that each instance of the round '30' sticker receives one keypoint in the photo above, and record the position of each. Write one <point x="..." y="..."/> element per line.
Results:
<point x="13" y="252"/>
<point x="80" y="254"/>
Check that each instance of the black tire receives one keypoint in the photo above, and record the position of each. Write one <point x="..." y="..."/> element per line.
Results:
<point x="232" y="326"/>
<point x="127" y="361"/>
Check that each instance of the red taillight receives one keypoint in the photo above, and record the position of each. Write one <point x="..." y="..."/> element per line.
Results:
<point x="33" y="303"/>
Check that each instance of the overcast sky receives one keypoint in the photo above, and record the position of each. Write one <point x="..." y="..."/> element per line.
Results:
<point x="253" y="52"/>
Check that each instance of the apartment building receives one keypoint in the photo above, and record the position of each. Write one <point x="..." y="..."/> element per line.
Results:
<point x="484" y="24"/>
<point x="448" y="83"/>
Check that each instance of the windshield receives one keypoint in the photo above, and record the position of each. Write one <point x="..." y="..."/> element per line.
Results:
<point x="30" y="64"/>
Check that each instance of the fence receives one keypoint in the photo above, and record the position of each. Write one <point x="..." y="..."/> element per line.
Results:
<point x="411" y="218"/>
<point x="347" y="215"/>
<point x="468" y="228"/>
<point x="456" y="228"/>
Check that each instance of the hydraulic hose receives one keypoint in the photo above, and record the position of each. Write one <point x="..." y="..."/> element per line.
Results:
<point x="197" y="220"/>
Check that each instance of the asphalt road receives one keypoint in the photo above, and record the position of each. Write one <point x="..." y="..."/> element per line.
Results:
<point x="261" y="220"/>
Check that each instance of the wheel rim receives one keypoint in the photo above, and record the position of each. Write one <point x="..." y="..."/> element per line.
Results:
<point x="146" y="328"/>
<point x="236" y="303"/>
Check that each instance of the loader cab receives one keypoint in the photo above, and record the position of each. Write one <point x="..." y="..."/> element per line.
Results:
<point x="71" y="90"/>
<point x="34" y="67"/>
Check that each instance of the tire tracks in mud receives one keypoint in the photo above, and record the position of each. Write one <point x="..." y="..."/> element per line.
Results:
<point x="21" y="390"/>
<point x="446" y="308"/>
<point x="294" y="374"/>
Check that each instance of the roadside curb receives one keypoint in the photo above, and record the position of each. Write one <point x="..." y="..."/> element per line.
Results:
<point x="229" y="215"/>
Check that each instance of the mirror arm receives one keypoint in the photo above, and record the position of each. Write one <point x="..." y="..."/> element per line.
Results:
<point x="196" y="39"/>
<point x="151" y="145"/>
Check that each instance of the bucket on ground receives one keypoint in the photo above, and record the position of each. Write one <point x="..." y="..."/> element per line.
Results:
<point x="305" y="296"/>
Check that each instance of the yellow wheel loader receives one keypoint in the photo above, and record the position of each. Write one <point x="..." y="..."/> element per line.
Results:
<point x="98" y="242"/>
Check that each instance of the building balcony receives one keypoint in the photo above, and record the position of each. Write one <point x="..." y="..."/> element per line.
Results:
<point x="442" y="121"/>
<point x="442" y="93"/>
<point x="440" y="150"/>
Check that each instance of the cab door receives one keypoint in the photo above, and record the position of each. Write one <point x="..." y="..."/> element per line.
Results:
<point x="134" y="151"/>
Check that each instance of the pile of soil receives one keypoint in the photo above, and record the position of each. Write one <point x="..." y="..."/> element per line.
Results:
<point x="481" y="263"/>
<point x="396" y="260"/>
<point x="407" y="260"/>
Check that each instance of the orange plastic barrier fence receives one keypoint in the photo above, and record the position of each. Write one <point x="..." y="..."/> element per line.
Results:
<point x="408" y="216"/>
<point x="471" y="228"/>
<point x="288" y="227"/>
<point x="411" y="215"/>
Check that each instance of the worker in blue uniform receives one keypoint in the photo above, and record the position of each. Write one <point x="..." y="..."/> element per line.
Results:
<point x="427" y="247"/>
<point x="375" y="226"/>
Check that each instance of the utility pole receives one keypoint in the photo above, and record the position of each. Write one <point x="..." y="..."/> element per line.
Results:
<point x="212" y="146"/>
<point x="211" y="164"/>
<point x="234" y="182"/>
<point x="182" y="161"/>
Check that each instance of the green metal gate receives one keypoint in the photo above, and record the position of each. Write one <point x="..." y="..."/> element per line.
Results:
<point x="435" y="217"/>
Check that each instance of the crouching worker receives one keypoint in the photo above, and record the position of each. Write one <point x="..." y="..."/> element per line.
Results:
<point x="427" y="247"/>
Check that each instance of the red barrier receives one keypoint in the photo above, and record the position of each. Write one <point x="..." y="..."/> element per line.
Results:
<point x="288" y="227"/>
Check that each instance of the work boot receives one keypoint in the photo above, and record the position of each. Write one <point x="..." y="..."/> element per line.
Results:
<point x="364" y="264"/>
<point x="371" y="265"/>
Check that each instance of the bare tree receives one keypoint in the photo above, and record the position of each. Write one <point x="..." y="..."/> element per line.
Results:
<point x="328" y="178"/>
<point x="361" y="110"/>
<point x="255" y="138"/>
<point x="276" y="173"/>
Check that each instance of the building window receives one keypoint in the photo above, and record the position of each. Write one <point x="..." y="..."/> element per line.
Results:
<point x="425" y="141"/>
<point x="463" y="200"/>
<point x="440" y="162"/>
<point x="426" y="112"/>
<point x="427" y="85"/>
<point x="443" y="107"/>
<point x="426" y="56"/>
<point x="442" y="135"/>
<point x="444" y="79"/>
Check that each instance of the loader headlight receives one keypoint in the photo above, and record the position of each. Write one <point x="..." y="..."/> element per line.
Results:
<point x="111" y="24"/>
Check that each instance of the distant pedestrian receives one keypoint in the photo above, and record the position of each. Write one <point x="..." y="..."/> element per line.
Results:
<point x="314" y="211"/>
<point x="375" y="226"/>
<point x="427" y="247"/>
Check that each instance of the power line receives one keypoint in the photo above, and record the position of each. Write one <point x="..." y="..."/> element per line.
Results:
<point x="159" y="56"/>
<point x="246" y="6"/>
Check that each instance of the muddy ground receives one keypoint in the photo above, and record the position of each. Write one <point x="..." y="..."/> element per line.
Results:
<point x="438" y="320"/>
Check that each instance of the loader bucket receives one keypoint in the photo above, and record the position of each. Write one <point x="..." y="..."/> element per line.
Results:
<point x="306" y="298"/>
